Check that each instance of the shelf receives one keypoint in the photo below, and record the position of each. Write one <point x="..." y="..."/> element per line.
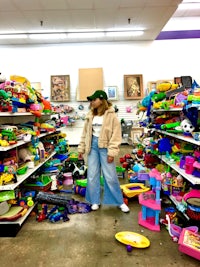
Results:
<point x="180" y="137"/>
<point x="20" y="143"/>
<point x="164" y="110"/>
<point x="11" y="228"/>
<point x="21" y="178"/>
<point x="192" y="179"/>
<point x="20" y="114"/>
<point x="21" y="219"/>
<point x="173" y="109"/>
<point x="173" y="199"/>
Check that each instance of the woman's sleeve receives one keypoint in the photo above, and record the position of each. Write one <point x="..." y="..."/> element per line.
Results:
<point x="81" y="146"/>
<point x="116" y="139"/>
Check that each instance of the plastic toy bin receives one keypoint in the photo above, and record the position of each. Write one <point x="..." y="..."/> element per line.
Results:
<point x="43" y="183"/>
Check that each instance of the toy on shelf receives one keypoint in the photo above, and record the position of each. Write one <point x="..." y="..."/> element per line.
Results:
<point x="132" y="239"/>
<point x="192" y="200"/>
<point x="150" y="201"/>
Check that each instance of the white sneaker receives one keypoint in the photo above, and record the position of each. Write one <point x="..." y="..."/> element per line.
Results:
<point x="124" y="208"/>
<point x="95" y="207"/>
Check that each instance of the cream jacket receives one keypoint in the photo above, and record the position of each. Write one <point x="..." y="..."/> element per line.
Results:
<point x="110" y="134"/>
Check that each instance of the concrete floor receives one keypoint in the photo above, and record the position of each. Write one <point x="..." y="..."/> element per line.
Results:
<point x="89" y="240"/>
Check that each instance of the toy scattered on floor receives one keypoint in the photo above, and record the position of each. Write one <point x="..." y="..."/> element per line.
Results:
<point x="189" y="243"/>
<point x="72" y="205"/>
<point x="133" y="189"/>
<point x="175" y="230"/>
<point x="132" y="240"/>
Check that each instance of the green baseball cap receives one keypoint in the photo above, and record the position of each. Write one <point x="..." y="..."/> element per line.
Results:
<point x="98" y="94"/>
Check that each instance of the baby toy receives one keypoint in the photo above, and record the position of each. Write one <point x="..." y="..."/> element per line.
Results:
<point x="150" y="201"/>
<point x="133" y="189"/>
<point x="132" y="239"/>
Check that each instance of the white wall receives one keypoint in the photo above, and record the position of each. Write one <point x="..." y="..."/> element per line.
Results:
<point x="155" y="60"/>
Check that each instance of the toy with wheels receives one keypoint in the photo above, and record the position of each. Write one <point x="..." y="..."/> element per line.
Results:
<point x="132" y="239"/>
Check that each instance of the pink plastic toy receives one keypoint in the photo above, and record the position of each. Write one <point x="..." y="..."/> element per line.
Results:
<point x="189" y="243"/>
<point x="189" y="160"/>
<point x="150" y="201"/>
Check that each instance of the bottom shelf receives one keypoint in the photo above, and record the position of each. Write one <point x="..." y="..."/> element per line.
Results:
<point x="11" y="228"/>
<point x="173" y="199"/>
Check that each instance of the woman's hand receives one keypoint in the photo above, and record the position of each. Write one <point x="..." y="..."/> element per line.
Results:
<point x="80" y="156"/>
<point x="110" y="159"/>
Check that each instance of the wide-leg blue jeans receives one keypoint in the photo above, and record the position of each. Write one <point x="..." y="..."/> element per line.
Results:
<point x="97" y="166"/>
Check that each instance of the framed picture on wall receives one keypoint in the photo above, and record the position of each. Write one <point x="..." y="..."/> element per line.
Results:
<point x="186" y="81"/>
<point x="151" y="86"/>
<point x="111" y="92"/>
<point x="177" y="80"/>
<point x="133" y="86"/>
<point x="60" y="88"/>
<point x="136" y="133"/>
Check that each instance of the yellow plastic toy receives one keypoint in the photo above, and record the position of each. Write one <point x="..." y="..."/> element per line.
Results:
<point x="165" y="86"/>
<point x="132" y="239"/>
<point x="133" y="189"/>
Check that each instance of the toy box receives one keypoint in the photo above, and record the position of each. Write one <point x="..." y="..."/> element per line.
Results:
<point x="189" y="243"/>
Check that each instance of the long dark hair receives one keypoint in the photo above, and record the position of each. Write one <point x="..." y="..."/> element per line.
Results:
<point x="101" y="110"/>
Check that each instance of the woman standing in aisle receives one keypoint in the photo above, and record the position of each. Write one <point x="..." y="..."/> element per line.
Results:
<point x="100" y="141"/>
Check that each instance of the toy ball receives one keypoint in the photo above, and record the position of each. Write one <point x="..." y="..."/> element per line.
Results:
<point x="129" y="248"/>
<point x="187" y="126"/>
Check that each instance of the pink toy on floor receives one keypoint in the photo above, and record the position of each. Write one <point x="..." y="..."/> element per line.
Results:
<point x="189" y="243"/>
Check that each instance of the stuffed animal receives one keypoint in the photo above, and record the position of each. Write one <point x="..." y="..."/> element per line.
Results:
<point x="25" y="155"/>
<point x="165" y="86"/>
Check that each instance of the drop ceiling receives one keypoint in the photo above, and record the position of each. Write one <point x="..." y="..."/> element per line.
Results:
<point x="151" y="16"/>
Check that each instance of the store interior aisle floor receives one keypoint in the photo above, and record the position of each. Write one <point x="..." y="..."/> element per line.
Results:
<point x="89" y="240"/>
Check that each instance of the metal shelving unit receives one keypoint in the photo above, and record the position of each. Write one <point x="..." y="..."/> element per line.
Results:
<point x="11" y="228"/>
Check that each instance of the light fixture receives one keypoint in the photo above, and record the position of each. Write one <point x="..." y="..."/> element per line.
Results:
<point x="47" y="36"/>
<point x="188" y="5"/>
<point x="124" y="33"/>
<point x="85" y="34"/>
<point x="13" y="36"/>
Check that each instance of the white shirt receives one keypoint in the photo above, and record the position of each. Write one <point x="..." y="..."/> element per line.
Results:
<point x="96" y="125"/>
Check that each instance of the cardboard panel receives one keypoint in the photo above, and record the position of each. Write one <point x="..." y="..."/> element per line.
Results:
<point x="89" y="81"/>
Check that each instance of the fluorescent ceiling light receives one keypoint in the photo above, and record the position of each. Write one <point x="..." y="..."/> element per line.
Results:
<point x="85" y="34"/>
<point x="13" y="36"/>
<point x="124" y="34"/>
<point x="186" y="6"/>
<point x="48" y="36"/>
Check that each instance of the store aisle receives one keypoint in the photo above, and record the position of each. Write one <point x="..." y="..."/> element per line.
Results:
<point x="89" y="240"/>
